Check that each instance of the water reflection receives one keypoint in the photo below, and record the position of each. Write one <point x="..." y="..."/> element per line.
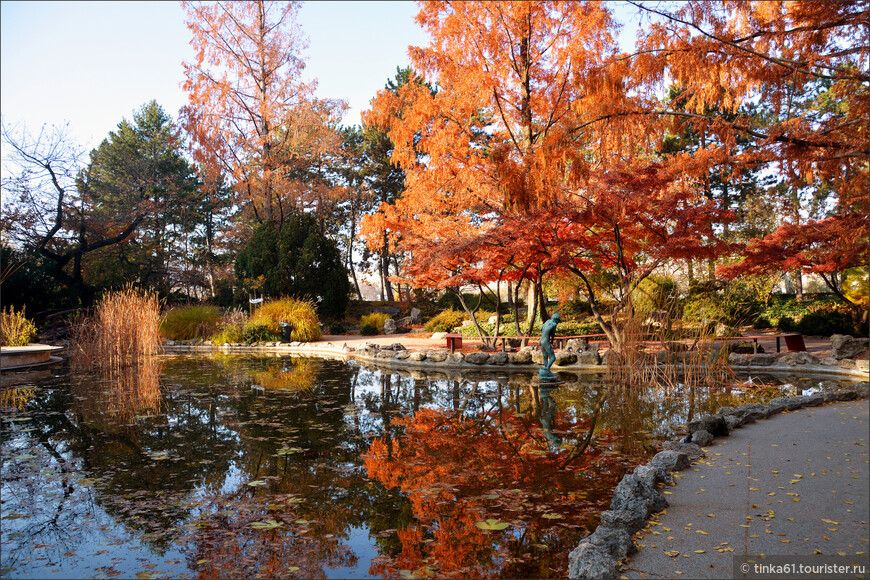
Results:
<point x="234" y="466"/>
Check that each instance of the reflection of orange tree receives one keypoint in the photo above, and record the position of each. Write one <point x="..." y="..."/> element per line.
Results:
<point x="459" y="472"/>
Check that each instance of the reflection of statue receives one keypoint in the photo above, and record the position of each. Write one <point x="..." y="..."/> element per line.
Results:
<point x="548" y="411"/>
<point x="548" y="331"/>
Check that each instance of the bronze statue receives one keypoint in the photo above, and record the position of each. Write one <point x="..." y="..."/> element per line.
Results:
<point x="548" y="331"/>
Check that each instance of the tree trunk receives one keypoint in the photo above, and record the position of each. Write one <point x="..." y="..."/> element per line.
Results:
<point x="798" y="286"/>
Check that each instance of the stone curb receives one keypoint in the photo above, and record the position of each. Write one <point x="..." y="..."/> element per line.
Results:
<point x="768" y="363"/>
<point x="600" y="554"/>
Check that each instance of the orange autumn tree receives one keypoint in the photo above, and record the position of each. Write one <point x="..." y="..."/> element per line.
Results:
<point x="805" y="65"/>
<point x="534" y="109"/>
<point x="250" y="114"/>
<point x="504" y="131"/>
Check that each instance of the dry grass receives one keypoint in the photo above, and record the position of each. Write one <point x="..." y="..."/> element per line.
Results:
<point x="123" y="331"/>
<point x="659" y="360"/>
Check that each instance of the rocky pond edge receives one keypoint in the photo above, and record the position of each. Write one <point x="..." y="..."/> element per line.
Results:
<point x="578" y="356"/>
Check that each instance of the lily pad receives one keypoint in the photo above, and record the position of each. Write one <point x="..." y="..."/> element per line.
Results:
<point x="492" y="524"/>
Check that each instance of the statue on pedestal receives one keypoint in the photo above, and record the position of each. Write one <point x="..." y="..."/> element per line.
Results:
<point x="548" y="331"/>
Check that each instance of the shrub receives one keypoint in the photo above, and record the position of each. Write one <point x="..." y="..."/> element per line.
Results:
<point x="375" y="319"/>
<point x="257" y="332"/>
<point x="188" y="322"/>
<point x="825" y="323"/>
<point x="15" y="328"/>
<point x="368" y="329"/>
<point x="577" y="307"/>
<point x="231" y="327"/>
<point x="445" y="321"/>
<point x="336" y="328"/>
<point x="301" y="313"/>
<point x="656" y="293"/>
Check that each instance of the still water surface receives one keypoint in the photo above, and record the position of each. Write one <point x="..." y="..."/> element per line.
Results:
<point x="230" y="466"/>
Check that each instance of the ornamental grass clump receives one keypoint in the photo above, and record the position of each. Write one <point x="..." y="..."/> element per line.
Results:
<point x="15" y="328"/>
<point x="122" y="331"/>
<point x="189" y="322"/>
<point x="302" y="314"/>
<point x="371" y="324"/>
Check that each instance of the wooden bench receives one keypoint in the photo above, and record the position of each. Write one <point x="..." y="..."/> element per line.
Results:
<point x="454" y="341"/>
<point x="793" y="342"/>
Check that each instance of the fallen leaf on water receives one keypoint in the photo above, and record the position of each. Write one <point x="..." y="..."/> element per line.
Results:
<point x="266" y="525"/>
<point x="256" y="483"/>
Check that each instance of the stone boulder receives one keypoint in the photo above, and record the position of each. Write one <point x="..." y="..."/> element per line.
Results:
<point x="390" y="326"/>
<point x="714" y="424"/>
<point x="651" y="474"/>
<point x="564" y="358"/>
<point x="615" y="541"/>
<point x="738" y="360"/>
<point x="523" y="357"/>
<point x="386" y="354"/>
<point x="691" y="450"/>
<point x="635" y="495"/>
<point x="436" y="355"/>
<point x="537" y="357"/>
<point x="845" y="346"/>
<point x="578" y="345"/>
<point x="438" y="335"/>
<point x="403" y="355"/>
<point x="762" y="360"/>
<point x="588" y="561"/>
<point x="418" y="356"/>
<point x="670" y="460"/>
<point x="406" y="321"/>
<point x="631" y="521"/>
<point x="862" y="364"/>
<point x="702" y="438"/>
<point x="797" y="358"/>
<point x="477" y="358"/>
<point x="455" y="358"/>
<point x="396" y="346"/>
<point x="755" y="410"/>
<point x="416" y="316"/>
<point x="589" y="357"/>
<point x="498" y="358"/>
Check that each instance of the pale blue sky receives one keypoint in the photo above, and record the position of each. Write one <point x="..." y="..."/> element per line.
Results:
<point x="93" y="63"/>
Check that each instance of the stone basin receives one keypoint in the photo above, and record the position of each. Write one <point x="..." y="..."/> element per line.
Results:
<point x="18" y="357"/>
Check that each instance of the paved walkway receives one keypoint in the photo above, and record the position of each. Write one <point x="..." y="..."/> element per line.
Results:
<point x="795" y="484"/>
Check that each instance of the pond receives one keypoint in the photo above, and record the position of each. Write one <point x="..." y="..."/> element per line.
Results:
<point x="231" y="466"/>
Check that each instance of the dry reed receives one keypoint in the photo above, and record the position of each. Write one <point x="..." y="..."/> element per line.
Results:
<point x="123" y="331"/>
<point x="652" y="357"/>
